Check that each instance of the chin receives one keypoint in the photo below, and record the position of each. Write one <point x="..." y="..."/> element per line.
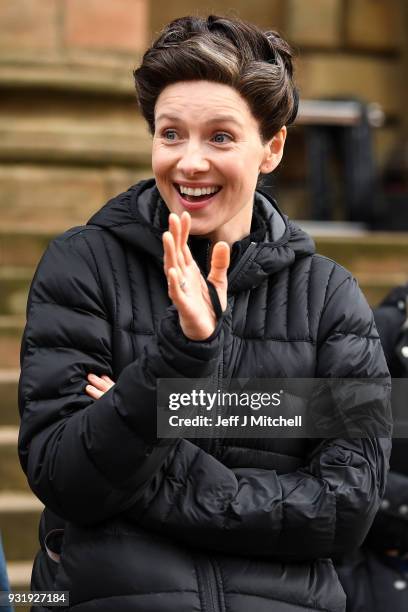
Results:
<point x="200" y="229"/>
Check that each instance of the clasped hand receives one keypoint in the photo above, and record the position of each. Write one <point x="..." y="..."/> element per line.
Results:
<point x="187" y="288"/>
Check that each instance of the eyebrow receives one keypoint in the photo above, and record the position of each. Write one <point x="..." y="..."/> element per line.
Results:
<point x="215" y="119"/>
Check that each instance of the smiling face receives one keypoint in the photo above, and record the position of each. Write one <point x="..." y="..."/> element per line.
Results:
<point x="207" y="154"/>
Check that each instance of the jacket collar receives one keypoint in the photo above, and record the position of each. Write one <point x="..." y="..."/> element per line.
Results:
<point x="138" y="217"/>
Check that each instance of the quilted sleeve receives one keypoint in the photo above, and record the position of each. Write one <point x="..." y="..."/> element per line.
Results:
<point x="321" y="510"/>
<point x="85" y="459"/>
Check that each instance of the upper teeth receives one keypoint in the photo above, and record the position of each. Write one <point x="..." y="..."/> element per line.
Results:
<point x="198" y="191"/>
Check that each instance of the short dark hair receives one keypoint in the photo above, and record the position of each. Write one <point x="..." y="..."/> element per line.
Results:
<point x="257" y="64"/>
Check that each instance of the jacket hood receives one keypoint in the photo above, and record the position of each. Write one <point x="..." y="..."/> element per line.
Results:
<point x="138" y="217"/>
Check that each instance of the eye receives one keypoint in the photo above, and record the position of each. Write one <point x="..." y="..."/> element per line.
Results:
<point x="221" y="138"/>
<point x="170" y="135"/>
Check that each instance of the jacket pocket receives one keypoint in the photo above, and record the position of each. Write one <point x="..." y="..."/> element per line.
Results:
<point x="53" y="544"/>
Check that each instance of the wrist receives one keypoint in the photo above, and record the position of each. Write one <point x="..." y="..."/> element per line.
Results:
<point x="197" y="333"/>
<point x="171" y="330"/>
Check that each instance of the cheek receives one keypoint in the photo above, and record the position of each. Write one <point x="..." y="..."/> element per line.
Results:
<point x="160" y="161"/>
<point x="245" y="167"/>
<point x="233" y="171"/>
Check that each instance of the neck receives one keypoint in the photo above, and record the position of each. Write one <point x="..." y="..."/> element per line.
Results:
<point x="235" y="229"/>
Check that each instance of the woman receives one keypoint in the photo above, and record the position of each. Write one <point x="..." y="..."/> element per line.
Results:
<point x="136" y="522"/>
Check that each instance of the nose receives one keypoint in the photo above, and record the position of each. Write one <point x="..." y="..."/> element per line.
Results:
<point x="193" y="160"/>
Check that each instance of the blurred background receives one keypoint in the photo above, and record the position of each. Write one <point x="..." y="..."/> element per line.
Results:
<point x="71" y="137"/>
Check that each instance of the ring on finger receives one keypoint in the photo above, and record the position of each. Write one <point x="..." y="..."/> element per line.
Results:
<point x="182" y="284"/>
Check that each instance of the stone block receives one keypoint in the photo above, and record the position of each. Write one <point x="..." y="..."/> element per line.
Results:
<point x="101" y="76"/>
<point x="373" y="24"/>
<point x="23" y="247"/>
<point x="49" y="197"/>
<point x="315" y="23"/>
<point x="9" y="352"/>
<point x="78" y="131"/>
<point x="120" y="179"/>
<point x="54" y="198"/>
<point x="106" y="25"/>
<point x="371" y="79"/>
<point x="19" y="515"/>
<point x="12" y="476"/>
<point x="378" y="261"/>
<point x="28" y="25"/>
<point x="14" y="286"/>
<point x="9" y="415"/>
<point x="268" y="14"/>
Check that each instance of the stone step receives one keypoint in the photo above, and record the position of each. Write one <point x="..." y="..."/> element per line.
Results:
<point x="11" y="331"/>
<point x="84" y="132"/>
<point x="23" y="247"/>
<point x="53" y="197"/>
<point x="19" y="519"/>
<point x="388" y="250"/>
<point x="14" y="286"/>
<point x="378" y="260"/>
<point x="19" y="573"/>
<point x="9" y="415"/>
<point x="12" y="476"/>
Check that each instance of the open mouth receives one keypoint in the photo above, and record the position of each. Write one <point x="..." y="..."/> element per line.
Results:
<point x="197" y="194"/>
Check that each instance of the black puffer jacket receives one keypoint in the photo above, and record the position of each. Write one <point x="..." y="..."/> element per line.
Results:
<point x="373" y="580"/>
<point x="149" y="525"/>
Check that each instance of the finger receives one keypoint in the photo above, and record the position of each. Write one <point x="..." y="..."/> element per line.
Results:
<point x="110" y="383"/>
<point x="93" y="392"/>
<point x="176" y="294"/>
<point x="169" y="251"/>
<point x="185" y="232"/>
<point x="98" y="382"/>
<point x="220" y="260"/>
<point x="166" y="255"/>
<point x="175" y="227"/>
<point x="185" y="223"/>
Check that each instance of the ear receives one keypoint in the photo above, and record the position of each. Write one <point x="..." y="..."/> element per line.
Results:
<point x="273" y="151"/>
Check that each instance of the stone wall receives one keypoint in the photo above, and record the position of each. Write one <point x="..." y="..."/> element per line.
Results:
<point x="70" y="134"/>
<point x="67" y="102"/>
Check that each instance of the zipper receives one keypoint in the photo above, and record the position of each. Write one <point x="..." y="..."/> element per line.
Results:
<point x="220" y="374"/>
<point x="209" y="586"/>
<point x="212" y="445"/>
<point x="207" y="259"/>
<point x="236" y="271"/>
